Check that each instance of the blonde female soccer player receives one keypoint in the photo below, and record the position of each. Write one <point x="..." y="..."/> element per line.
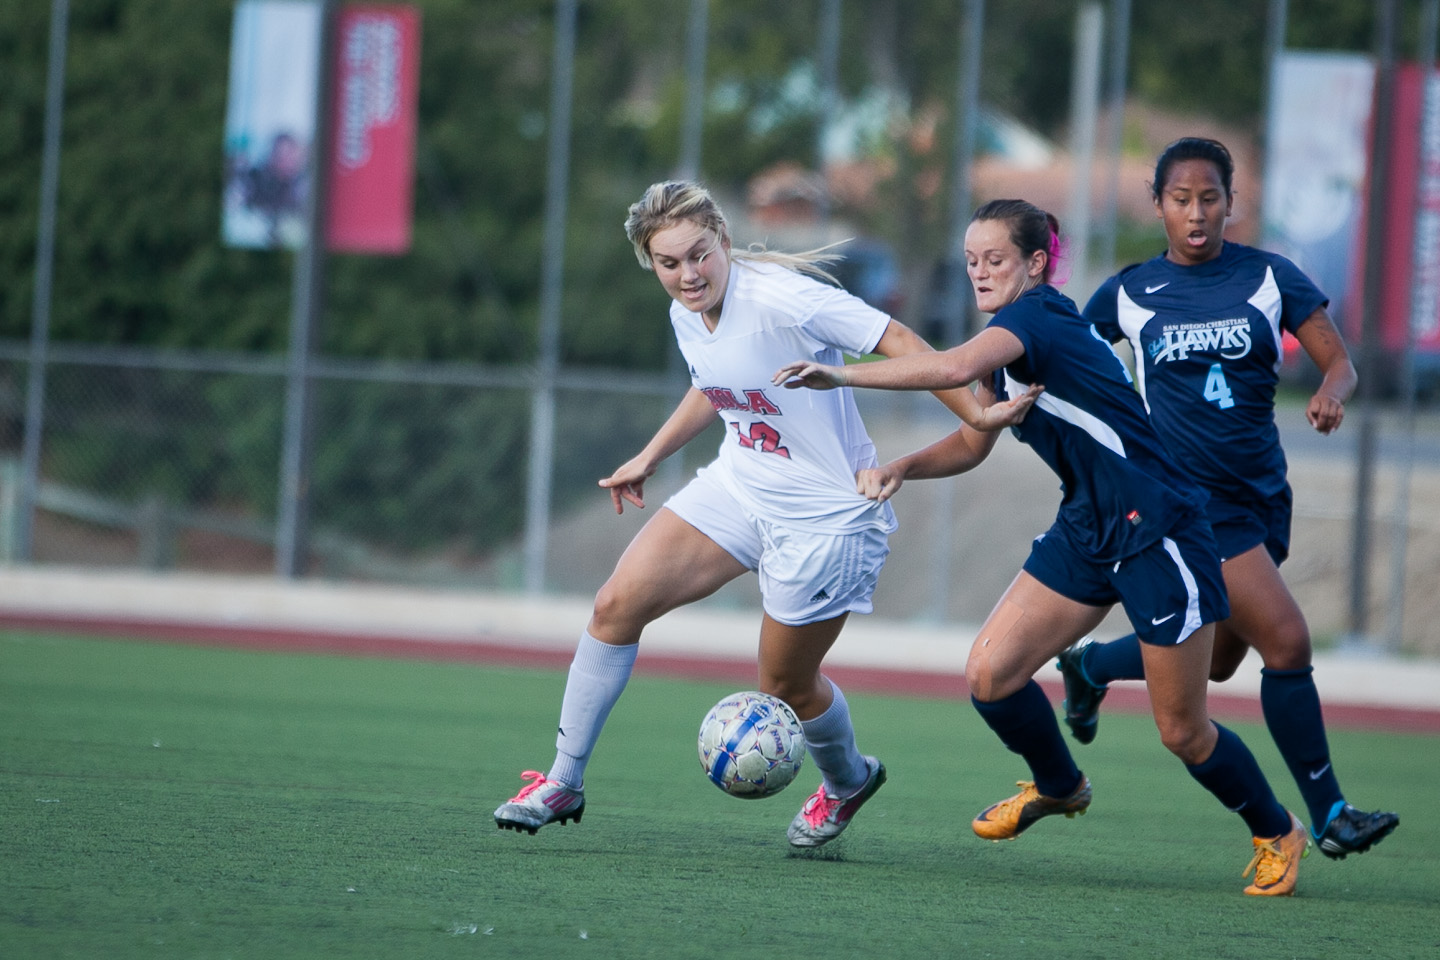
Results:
<point x="780" y="499"/>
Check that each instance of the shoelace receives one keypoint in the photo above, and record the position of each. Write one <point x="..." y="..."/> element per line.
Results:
<point x="1269" y="863"/>
<point x="819" y="807"/>
<point x="1011" y="808"/>
<point x="537" y="780"/>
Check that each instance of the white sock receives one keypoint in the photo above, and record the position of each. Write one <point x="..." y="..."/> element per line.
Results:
<point x="598" y="675"/>
<point x="830" y="740"/>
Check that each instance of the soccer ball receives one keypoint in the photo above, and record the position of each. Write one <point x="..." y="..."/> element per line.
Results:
<point x="751" y="745"/>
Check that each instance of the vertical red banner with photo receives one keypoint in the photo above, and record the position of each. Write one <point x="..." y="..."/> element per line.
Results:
<point x="372" y="147"/>
<point x="1411" y="293"/>
<point x="1410" y="287"/>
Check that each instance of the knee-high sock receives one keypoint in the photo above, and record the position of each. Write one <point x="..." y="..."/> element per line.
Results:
<point x="598" y="675"/>
<point x="1116" y="660"/>
<point x="1232" y="774"/>
<point x="1025" y="722"/>
<point x="1292" y="712"/>
<point x="830" y="741"/>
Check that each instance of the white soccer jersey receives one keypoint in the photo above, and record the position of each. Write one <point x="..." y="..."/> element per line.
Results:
<point x="788" y="456"/>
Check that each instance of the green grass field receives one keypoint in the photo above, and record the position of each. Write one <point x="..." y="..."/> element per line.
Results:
<point x="163" y="801"/>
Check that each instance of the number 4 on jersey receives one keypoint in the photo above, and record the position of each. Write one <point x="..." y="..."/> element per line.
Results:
<point x="1216" y="389"/>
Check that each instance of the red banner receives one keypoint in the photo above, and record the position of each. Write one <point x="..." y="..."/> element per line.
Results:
<point x="1410" y="290"/>
<point x="372" y="145"/>
<point x="1412" y="259"/>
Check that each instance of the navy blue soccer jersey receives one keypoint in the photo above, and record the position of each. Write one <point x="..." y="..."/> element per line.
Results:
<point x="1207" y="342"/>
<point x="1121" y="491"/>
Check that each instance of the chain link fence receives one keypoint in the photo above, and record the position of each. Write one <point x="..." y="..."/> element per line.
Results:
<point x="170" y="460"/>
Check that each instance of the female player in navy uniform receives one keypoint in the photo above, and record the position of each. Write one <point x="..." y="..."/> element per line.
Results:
<point x="1204" y="320"/>
<point x="1130" y="530"/>
<point x="781" y="499"/>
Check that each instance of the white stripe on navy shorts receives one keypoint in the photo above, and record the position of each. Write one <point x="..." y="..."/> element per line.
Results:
<point x="1169" y="590"/>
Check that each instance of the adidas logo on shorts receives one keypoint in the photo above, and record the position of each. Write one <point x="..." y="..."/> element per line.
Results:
<point x="822" y="595"/>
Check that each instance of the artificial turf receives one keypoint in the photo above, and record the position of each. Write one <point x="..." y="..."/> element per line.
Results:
<point x="161" y="800"/>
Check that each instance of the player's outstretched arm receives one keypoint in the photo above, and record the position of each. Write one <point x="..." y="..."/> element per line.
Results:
<point x="899" y="341"/>
<point x="957" y="453"/>
<point x="1323" y="344"/>
<point x="689" y="420"/>
<point x="957" y="367"/>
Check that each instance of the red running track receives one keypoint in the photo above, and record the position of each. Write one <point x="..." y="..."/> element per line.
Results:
<point x="514" y="652"/>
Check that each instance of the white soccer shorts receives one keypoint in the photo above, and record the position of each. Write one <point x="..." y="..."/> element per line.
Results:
<point x="805" y="577"/>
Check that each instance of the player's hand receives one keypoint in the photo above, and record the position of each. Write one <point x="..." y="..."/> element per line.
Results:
<point x="807" y="373"/>
<point x="1324" y="413"/>
<point x="879" y="483"/>
<point x="1008" y="413"/>
<point x="628" y="483"/>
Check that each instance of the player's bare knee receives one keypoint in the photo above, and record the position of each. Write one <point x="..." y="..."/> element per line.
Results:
<point x="979" y="678"/>
<point x="1223" y="669"/>
<point x="608" y="604"/>
<point x="1288" y="648"/>
<point x="1188" y="739"/>
<point x="617" y="612"/>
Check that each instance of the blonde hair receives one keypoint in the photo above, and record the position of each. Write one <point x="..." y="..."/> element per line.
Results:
<point x="676" y="201"/>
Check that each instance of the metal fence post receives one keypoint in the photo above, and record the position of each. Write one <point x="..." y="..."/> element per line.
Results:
<point x="156" y="529"/>
<point x="957" y="311"/>
<point x="1377" y="218"/>
<point x="9" y="509"/>
<point x="1084" y="108"/>
<point x="44" y="274"/>
<point x="542" y="417"/>
<point x="306" y="307"/>
<point x="1422" y="311"/>
<point x="1115" y="131"/>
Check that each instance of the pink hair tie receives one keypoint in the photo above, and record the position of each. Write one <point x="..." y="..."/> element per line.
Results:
<point x="1059" y="254"/>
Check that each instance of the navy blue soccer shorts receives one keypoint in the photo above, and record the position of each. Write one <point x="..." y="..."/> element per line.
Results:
<point x="1241" y="524"/>
<point x="1169" y="590"/>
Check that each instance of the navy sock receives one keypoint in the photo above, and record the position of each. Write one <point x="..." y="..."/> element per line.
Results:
<point x="1116" y="660"/>
<point x="1025" y="722"/>
<point x="1292" y="712"/>
<point x="1232" y="774"/>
